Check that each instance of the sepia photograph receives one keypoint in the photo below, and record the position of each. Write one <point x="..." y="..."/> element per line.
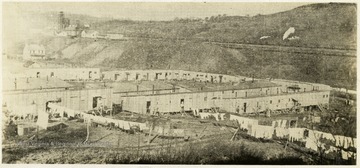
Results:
<point x="179" y="83"/>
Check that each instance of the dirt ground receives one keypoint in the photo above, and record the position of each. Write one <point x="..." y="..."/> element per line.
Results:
<point x="111" y="145"/>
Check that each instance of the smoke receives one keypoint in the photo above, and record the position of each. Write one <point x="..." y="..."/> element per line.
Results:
<point x="288" y="32"/>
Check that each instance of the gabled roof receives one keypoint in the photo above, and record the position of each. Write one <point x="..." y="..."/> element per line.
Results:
<point x="90" y="31"/>
<point x="35" y="47"/>
<point x="34" y="83"/>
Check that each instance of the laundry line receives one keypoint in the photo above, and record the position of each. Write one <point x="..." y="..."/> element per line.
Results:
<point x="122" y="124"/>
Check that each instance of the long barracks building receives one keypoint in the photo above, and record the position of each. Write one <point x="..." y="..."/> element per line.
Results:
<point x="164" y="91"/>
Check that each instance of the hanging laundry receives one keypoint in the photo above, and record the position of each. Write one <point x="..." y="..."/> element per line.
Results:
<point x="328" y="136"/>
<point x="283" y="123"/>
<point x="43" y="120"/>
<point x="349" y="142"/>
<point x="311" y="144"/>
<point x="222" y="116"/>
<point x="142" y="126"/>
<point x="331" y="149"/>
<point x="336" y="140"/>
<point x="345" y="143"/>
<point x="344" y="155"/>
<point x="296" y="134"/>
<point x="126" y="126"/>
<point x="354" y="141"/>
<point x="342" y="139"/>
<point x="281" y="132"/>
<point x="71" y="113"/>
<point x="216" y="116"/>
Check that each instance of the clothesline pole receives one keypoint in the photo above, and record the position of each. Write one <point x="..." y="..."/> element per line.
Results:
<point x="138" y="147"/>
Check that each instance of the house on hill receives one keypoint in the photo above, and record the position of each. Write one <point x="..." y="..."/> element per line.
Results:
<point x="114" y="36"/>
<point x="89" y="34"/>
<point x="61" y="33"/>
<point x="33" y="51"/>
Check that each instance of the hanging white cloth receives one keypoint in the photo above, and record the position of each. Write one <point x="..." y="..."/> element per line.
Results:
<point x="43" y="120"/>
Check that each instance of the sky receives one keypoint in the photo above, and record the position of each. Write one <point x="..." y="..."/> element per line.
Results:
<point x="153" y="10"/>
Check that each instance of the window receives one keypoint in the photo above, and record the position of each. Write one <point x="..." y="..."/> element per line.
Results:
<point x="205" y="98"/>
<point x="232" y="91"/>
<point x="279" y="101"/>
<point x="323" y="96"/>
<point x="270" y="101"/>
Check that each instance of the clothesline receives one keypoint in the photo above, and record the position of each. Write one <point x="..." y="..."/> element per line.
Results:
<point x="126" y="125"/>
<point x="293" y="134"/>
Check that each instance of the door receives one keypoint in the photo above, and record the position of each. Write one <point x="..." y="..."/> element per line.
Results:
<point x="148" y="107"/>
<point x="95" y="101"/>
<point x="182" y="105"/>
<point x="116" y="76"/>
<point x="90" y="74"/>
<point x="244" y="107"/>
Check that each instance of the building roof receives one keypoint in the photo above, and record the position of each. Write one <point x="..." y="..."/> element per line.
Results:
<point x="90" y="31"/>
<point x="131" y="86"/>
<point x="35" y="47"/>
<point x="34" y="83"/>
<point x="201" y="86"/>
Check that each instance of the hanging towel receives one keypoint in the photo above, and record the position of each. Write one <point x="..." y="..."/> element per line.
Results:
<point x="342" y="139"/>
<point x="349" y="142"/>
<point x="282" y="123"/>
<point x="328" y="136"/>
<point x="311" y="144"/>
<point x="344" y="155"/>
<point x="354" y="141"/>
<point x="126" y="126"/>
<point x="337" y="140"/>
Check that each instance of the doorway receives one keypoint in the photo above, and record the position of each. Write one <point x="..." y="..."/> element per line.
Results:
<point x="117" y="76"/>
<point x="148" y="106"/>
<point x="90" y="74"/>
<point x="244" y="107"/>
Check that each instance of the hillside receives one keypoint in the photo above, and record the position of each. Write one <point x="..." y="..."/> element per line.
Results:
<point x="317" y="25"/>
<point x="194" y="56"/>
<point x="178" y="45"/>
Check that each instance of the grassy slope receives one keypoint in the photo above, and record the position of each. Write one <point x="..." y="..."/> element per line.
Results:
<point x="317" y="25"/>
<point x="171" y="54"/>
